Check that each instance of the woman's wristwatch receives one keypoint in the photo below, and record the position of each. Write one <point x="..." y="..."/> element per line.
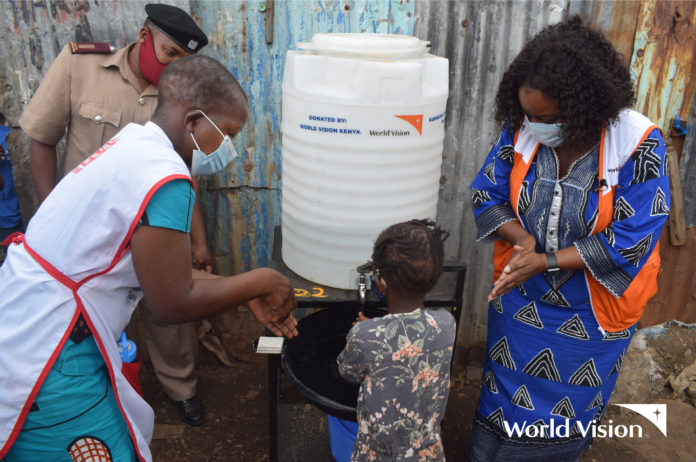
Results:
<point x="553" y="263"/>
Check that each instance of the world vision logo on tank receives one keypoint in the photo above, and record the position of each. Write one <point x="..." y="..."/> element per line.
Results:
<point x="415" y="120"/>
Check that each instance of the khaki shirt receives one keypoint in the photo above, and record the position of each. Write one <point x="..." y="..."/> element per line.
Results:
<point x="92" y="95"/>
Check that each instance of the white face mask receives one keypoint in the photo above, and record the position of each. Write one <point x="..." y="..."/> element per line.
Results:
<point x="207" y="164"/>
<point x="548" y="134"/>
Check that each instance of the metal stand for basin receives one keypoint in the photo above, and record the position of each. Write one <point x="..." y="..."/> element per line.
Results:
<point x="447" y="294"/>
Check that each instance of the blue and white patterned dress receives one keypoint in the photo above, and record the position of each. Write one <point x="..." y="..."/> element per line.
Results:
<point x="547" y="356"/>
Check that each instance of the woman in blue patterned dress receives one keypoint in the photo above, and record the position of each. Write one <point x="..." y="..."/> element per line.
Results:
<point x="575" y="194"/>
<point x="402" y="359"/>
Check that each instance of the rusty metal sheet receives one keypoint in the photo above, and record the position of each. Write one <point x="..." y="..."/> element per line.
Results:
<point x="663" y="65"/>
<point x="616" y="19"/>
<point x="664" y="60"/>
<point x="687" y="169"/>
<point x="480" y="39"/>
<point x="33" y="33"/>
<point x="676" y="295"/>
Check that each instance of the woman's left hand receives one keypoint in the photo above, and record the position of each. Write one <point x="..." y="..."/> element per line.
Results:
<point x="523" y="265"/>
<point x="277" y="321"/>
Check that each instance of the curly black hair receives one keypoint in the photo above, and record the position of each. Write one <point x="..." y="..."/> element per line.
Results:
<point x="410" y="254"/>
<point x="577" y="67"/>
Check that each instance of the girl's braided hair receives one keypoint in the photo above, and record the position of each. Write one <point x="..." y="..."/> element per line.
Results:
<point x="411" y="254"/>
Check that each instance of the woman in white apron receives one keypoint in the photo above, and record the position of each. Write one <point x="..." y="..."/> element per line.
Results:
<point x="113" y="231"/>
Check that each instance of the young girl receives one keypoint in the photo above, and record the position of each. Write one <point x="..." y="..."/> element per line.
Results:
<point x="402" y="359"/>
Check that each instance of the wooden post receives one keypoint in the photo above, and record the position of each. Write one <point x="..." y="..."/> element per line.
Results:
<point x="677" y="225"/>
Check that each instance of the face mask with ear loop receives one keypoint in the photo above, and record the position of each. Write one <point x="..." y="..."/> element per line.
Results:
<point x="548" y="134"/>
<point x="150" y="66"/>
<point x="373" y="286"/>
<point x="207" y="164"/>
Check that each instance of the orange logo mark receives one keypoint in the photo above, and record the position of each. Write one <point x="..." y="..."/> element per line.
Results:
<point x="415" y="120"/>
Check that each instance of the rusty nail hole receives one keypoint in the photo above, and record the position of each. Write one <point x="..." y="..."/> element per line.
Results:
<point x="248" y="167"/>
<point x="408" y="14"/>
<point x="346" y="7"/>
<point x="465" y="23"/>
<point x="640" y="52"/>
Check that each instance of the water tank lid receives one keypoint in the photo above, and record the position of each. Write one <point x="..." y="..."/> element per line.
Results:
<point x="383" y="46"/>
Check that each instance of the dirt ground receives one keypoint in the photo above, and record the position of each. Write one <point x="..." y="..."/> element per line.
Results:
<point x="237" y="426"/>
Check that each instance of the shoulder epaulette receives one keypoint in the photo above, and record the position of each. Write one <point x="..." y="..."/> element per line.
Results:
<point x="89" y="47"/>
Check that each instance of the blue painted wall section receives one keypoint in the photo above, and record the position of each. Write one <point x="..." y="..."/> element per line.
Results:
<point x="242" y="205"/>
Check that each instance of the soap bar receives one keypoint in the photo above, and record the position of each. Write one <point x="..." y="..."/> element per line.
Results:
<point x="268" y="345"/>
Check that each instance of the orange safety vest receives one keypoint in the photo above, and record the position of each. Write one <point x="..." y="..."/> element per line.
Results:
<point x="612" y="313"/>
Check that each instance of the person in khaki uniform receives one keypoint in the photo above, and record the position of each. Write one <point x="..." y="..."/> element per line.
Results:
<point x="94" y="93"/>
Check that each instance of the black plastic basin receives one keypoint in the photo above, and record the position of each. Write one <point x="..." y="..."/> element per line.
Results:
<point x="309" y="360"/>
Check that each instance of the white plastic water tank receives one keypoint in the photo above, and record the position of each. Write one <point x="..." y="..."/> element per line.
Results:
<point x="363" y="128"/>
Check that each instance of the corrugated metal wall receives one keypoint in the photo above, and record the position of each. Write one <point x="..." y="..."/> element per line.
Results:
<point x="243" y="206"/>
<point x="479" y="38"/>
<point x="32" y="34"/>
<point x="659" y="37"/>
<point x="687" y="168"/>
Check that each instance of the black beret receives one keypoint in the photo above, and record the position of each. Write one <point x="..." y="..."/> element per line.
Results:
<point x="176" y="24"/>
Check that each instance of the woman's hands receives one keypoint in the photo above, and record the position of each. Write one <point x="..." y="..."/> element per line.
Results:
<point x="524" y="263"/>
<point x="525" y="243"/>
<point x="274" y="309"/>
<point x="272" y="318"/>
<point x="175" y="292"/>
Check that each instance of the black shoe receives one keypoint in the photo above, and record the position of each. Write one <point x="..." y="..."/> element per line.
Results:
<point x="191" y="411"/>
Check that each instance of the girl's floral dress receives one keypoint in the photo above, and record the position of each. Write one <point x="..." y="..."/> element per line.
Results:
<point x="403" y="361"/>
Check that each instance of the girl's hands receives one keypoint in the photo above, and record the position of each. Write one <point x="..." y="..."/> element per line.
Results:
<point x="361" y="317"/>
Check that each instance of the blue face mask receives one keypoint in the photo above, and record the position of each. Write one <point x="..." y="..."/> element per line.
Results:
<point x="207" y="164"/>
<point x="548" y="134"/>
<point x="373" y="286"/>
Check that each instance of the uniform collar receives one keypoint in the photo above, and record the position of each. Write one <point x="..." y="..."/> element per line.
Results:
<point x="119" y="59"/>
